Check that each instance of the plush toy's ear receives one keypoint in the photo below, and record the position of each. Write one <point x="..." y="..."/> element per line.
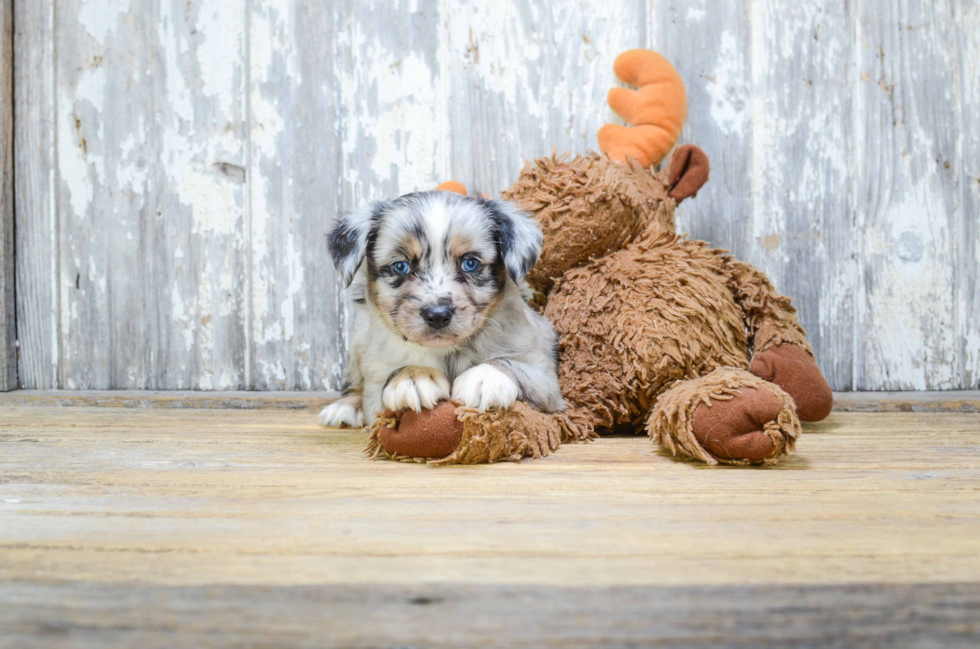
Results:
<point x="347" y="241"/>
<point x="688" y="172"/>
<point x="453" y="186"/>
<point x="518" y="237"/>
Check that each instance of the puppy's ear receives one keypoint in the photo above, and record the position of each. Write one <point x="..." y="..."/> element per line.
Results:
<point x="347" y="240"/>
<point x="518" y="236"/>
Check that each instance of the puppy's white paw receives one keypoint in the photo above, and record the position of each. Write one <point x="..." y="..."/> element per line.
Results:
<point x="342" y="414"/>
<point x="485" y="387"/>
<point x="415" y="388"/>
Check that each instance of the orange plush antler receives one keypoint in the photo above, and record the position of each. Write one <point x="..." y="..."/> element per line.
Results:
<point x="655" y="111"/>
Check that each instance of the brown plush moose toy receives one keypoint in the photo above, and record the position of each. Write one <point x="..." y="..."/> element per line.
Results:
<point x="657" y="332"/>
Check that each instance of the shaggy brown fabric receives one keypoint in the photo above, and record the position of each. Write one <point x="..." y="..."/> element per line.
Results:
<point x="672" y="423"/>
<point x="769" y="316"/>
<point x="795" y="371"/>
<point x="639" y="319"/>
<point x="485" y="437"/>
<point x="688" y="172"/>
<point x="587" y="199"/>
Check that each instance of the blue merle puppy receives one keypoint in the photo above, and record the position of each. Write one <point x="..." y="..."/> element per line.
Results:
<point x="439" y="309"/>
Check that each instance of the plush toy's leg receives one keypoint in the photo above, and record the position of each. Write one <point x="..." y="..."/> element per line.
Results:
<point x="780" y="351"/>
<point x="453" y="434"/>
<point x="728" y="416"/>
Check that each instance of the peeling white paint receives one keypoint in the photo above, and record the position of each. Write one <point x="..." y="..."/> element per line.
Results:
<point x="211" y="199"/>
<point x="550" y="96"/>
<point x="969" y="291"/>
<point x="100" y="17"/>
<point x="294" y="268"/>
<point x="730" y="104"/>
<point x="905" y="307"/>
<point x="80" y="166"/>
<point x="219" y="50"/>
<point x="180" y="318"/>
<point x="396" y="117"/>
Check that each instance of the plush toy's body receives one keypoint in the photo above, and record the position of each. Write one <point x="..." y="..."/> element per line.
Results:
<point x="657" y="332"/>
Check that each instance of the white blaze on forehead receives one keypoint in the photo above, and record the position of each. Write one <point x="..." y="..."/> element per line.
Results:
<point x="467" y="221"/>
<point x="446" y="218"/>
<point x="437" y="219"/>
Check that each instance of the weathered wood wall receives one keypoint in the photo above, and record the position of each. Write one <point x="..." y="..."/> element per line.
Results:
<point x="178" y="161"/>
<point x="8" y="325"/>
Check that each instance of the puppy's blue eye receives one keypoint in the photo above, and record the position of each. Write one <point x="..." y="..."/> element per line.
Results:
<point x="401" y="267"/>
<point x="470" y="264"/>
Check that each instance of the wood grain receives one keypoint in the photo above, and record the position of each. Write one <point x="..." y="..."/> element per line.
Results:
<point x="261" y="525"/>
<point x="907" y="202"/>
<point x="150" y="195"/>
<point x="200" y="399"/>
<point x="8" y="324"/>
<point x="294" y="328"/>
<point x="98" y="615"/>
<point x="269" y="497"/>
<point x="939" y="401"/>
<point x="968" y="236"/>
<point x="37" y="275"/>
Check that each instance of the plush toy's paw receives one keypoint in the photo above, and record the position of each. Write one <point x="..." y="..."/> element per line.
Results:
<point x="415" y="388"/>
<point x="484" y="387"/>
<point x="343" y="413"/>
<point x="727" y="416"/>
<point x="430" y="434"/>
<point x="795" y="371"/>
<point x="453" y="434"/>
<point x="735" y="429"/>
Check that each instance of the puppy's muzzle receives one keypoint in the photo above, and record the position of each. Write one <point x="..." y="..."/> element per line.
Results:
<point x="437" y="317"/>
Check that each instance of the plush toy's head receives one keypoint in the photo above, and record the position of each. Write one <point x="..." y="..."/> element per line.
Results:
<point x="587" y="206"/>
<point x="591" y="205"/>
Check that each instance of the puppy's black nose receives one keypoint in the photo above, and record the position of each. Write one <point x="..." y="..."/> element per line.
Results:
<point x="438" y="316"/>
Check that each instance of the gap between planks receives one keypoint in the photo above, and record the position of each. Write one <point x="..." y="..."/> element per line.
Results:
<point x="935" y="401"/>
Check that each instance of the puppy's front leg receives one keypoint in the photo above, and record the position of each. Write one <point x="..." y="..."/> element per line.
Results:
<point x="415" y="388"/>
<point x="485" y="387"/>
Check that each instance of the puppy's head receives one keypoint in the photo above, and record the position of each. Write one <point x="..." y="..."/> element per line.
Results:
<point x="436" y="263"/>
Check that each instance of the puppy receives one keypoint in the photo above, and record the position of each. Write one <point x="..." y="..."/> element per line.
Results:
<point x="439" y="312"/>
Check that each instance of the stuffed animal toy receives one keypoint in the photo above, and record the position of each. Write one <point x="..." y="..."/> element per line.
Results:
<point x="658" y="333"/>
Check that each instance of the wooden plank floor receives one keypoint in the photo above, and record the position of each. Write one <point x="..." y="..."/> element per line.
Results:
<point x="159" y="527"/>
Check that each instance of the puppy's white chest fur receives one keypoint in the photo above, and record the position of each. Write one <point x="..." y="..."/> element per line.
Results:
<point x="390" y="352"/>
